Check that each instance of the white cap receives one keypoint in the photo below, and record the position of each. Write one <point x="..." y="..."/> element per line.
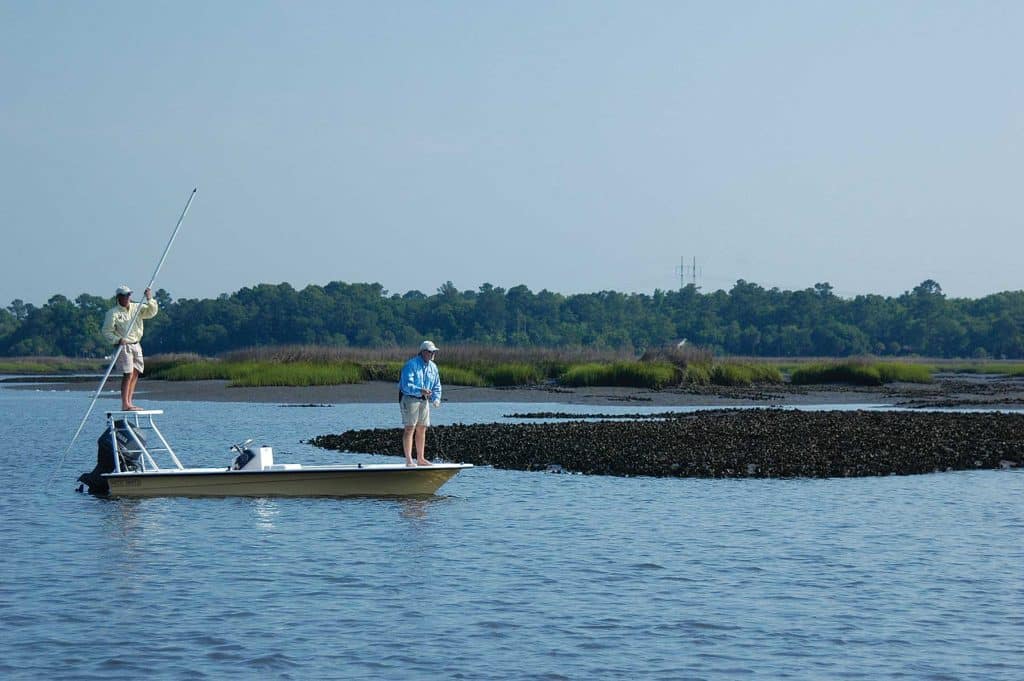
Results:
<point x="123" y="290"/>
<point x="428" y="346"/>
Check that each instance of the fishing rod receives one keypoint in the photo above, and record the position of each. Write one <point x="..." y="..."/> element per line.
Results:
<point x="131" y="324"/>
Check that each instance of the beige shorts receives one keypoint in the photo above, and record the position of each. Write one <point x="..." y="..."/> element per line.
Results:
<point x="415" y="412"/>
<point x="130" y="359"/>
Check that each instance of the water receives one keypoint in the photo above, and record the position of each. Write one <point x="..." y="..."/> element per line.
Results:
<point x="504" y="575"/>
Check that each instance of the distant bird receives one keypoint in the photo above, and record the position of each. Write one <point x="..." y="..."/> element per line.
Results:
<point x="681" y="343"/>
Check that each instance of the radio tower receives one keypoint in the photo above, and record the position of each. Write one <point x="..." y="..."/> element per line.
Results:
<point x="687" y="271"/>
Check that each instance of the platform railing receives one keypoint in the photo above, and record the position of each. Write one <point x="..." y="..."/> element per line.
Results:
<point x="139" y="421"/>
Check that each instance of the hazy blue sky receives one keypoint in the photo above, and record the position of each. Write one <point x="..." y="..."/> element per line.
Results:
<point x="573" y="146"/>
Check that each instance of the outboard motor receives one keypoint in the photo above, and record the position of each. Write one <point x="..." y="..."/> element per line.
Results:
<point x="126" y="449"/>
<point x="251" y="459"/>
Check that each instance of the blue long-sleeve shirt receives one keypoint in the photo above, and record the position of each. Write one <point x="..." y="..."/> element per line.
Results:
<point x="416" y="375"/>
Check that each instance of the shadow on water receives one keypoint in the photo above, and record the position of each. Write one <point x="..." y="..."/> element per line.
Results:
<point x="418" y="508"/>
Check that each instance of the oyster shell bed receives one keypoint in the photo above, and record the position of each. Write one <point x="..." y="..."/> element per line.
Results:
<point x="726" y="443"/>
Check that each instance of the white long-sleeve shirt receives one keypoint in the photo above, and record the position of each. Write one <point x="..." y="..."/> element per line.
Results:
<point x="115" y="324"/>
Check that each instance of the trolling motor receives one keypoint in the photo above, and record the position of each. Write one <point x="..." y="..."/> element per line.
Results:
<point x="250" y="459"/>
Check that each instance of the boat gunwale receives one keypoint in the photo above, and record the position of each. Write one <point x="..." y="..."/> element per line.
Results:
<point x="345" y="468"/>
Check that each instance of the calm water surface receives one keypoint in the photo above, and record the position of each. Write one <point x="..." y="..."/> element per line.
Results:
<point x="504" y="575"/>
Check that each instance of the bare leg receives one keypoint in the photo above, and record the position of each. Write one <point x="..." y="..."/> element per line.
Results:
<point x="126" y="380"/>
<point x="421" y="446"/>
<point x="407" y="444"/>
<point x="132" y="380"/>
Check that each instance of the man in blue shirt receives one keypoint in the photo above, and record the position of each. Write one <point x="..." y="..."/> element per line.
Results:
<point x="419" y="387"/>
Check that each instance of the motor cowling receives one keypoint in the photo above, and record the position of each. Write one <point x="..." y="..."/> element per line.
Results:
<point x="254" y="459"/>
<point x="127" y="449"/>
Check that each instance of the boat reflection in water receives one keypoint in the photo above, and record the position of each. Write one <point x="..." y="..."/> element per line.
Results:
<point x="126" y="467"/>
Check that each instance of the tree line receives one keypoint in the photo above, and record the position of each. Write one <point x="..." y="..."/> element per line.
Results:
<point x="745" y="320"/>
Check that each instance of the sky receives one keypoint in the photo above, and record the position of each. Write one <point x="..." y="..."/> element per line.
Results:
<point x="568" y="146"/>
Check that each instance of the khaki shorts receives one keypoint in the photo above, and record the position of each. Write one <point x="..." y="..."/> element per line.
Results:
<point x="130" y="359"/>
<point x="415" y="412"/>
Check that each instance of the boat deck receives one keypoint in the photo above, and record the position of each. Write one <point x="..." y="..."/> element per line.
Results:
<point x="258" y="475"/>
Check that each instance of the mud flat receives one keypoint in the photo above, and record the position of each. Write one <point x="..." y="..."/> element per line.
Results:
<point x="948" y="390"/>
<point x="727" y="443"/>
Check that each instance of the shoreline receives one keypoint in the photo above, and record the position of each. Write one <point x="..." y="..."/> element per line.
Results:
<point x="838" y="433"/>
<point x="948" y="391"/>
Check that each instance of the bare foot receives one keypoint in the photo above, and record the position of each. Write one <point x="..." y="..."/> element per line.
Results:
<point x="410" y="464"/>
<point x="424" y="462"/>
<point x="134" y="408"/>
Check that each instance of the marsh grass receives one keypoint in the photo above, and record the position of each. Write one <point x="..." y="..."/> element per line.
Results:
<point x="744" y="374"/>
<point x="51" y="365"/>
<point x="262" y="374"/>
<point x="461" y="376"/>
<point x="464" y="354"/>
<point x="892" y="372"/>
<point x="265" y="373"/>
<point x="697" y="374"/>
<point x="289" y="370"/>
<point x="503" y="375"/>
<point x="680" y="355"/>
<point x="514" y="374"/>
<point x="25" y="367"/>
<point x="483" y="366"/>
<point x="381" y="371"/>
<point x="861" y="372"/>
<point x="302" y="365"/>
<point x="626" y="374"/>
<point x="638" y="374"/>
<point x="201" y="370"/>
<point x="853" y="374"/>
<point x="766" y="373"/>
<point x="1006" y="368"/>
<point x="463" y="364"/>
<point x="697" y="367"/>
<point x="160" y="363"/>
<point x="474" y="355"/>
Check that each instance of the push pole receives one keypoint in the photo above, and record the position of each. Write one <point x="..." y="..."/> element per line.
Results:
<point x="117" y="353"/>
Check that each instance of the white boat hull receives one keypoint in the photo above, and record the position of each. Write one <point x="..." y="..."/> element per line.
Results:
<point x="329" y="481"/>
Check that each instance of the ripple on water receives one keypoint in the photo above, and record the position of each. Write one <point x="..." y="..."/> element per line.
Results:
<point x="509" y="575"/>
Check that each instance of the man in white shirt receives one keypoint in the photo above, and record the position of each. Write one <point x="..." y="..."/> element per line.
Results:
<point x="116" y="330"/>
